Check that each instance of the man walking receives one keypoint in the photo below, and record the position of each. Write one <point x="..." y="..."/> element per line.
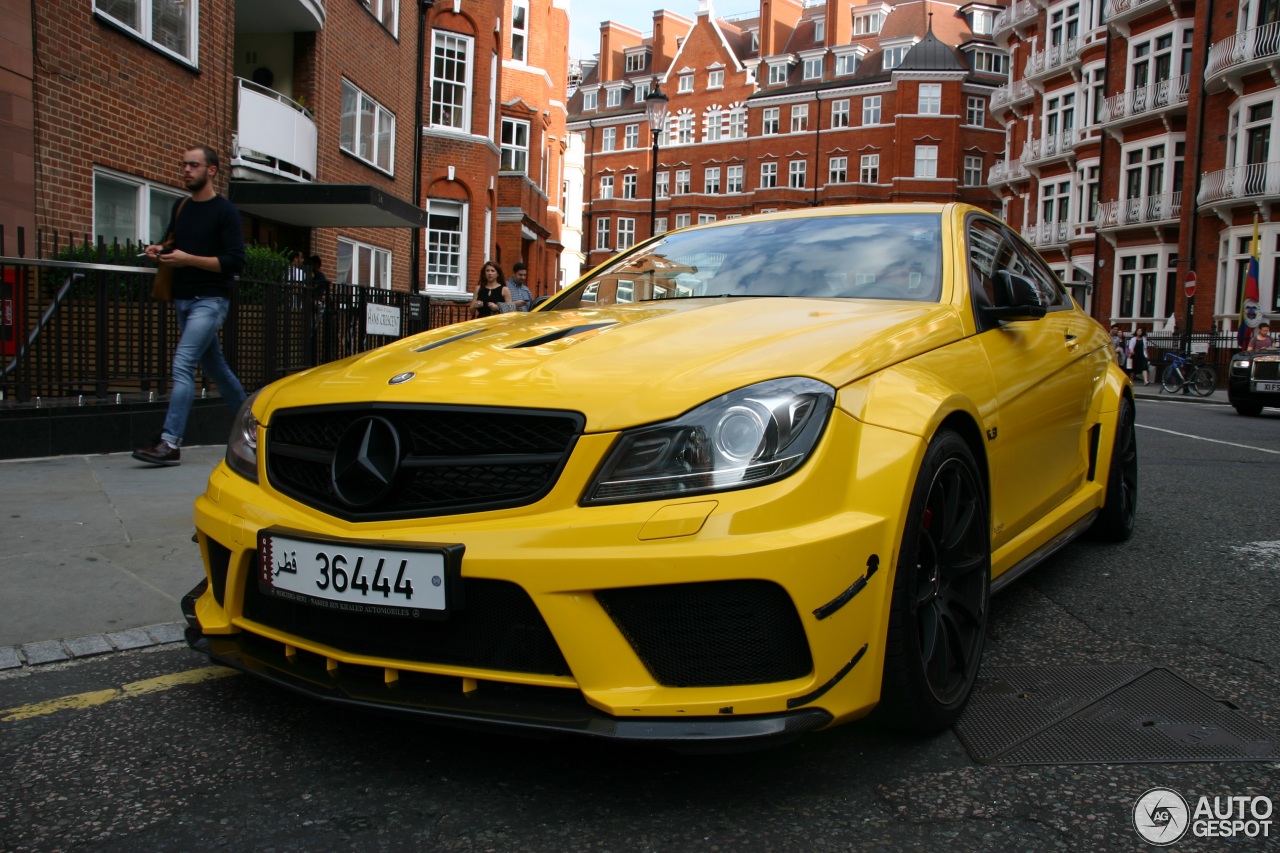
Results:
<point x="207" y="253"/>
<point x="517" y="285"/>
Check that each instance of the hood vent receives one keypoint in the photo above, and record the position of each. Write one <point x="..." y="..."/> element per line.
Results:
<point x="561" y="334"/>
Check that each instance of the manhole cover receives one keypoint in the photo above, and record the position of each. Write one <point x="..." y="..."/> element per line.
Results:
<point x="1104" y="715"/>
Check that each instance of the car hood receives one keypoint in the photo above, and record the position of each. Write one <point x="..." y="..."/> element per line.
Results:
<point x="629" y="364"/>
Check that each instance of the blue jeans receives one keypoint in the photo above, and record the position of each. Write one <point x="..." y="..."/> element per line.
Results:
<point x="198" y="323"/>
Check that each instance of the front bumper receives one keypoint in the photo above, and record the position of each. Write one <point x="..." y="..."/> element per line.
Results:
<point x="816" y="538"/>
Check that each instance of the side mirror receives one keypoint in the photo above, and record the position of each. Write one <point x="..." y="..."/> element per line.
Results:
<point x="1017" y="298"/>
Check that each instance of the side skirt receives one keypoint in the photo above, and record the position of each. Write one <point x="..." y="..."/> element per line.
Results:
<point x="1042" y="553"/>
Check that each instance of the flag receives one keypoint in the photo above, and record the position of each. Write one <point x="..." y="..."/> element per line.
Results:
<point x="1249" y="315"/>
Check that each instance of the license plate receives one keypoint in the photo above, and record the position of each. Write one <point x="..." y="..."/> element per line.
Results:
<point x="1266" y="386"/>
<point x="354" y="577"/>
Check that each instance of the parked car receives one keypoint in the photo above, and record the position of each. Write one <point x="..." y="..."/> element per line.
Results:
<point x="742" y="482"/>
<point x="1254" y="381"/>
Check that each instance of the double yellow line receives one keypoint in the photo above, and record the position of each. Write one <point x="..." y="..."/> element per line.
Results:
<point x="80" y="701"/>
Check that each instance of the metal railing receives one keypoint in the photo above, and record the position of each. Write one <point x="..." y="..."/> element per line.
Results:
<point x="1146" y="99"/>
<point x="89" y="328"/>
<point x="1251" y="181"/>
<point x="1242" y="49"/>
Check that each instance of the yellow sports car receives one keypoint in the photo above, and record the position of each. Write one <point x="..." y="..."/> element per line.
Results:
<point x="742" y="482"/>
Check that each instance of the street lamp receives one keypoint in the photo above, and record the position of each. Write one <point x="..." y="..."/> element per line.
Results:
<point x="656" y="104"/>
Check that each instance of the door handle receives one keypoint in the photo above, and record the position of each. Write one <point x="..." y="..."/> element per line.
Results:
<point x="1073" y="343"/>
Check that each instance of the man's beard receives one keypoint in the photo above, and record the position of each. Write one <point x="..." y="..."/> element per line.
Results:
<point x="197" y="184"/>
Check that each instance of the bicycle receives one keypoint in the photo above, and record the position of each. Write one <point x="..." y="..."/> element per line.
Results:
<point x="1185" y="372"/>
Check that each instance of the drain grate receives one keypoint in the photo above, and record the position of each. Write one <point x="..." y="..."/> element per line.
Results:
<point x="1104" y="715"/>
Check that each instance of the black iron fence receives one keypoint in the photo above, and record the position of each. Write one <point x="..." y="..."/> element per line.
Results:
<point x="1213" y="348"/>
<point x="82" y="323"/>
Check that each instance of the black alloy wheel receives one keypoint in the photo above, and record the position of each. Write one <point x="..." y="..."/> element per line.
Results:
<point x="1116" y="520"/>
<point x="938" y="622"/>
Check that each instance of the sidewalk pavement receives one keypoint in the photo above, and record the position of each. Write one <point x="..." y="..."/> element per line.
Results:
<point x="98" y="553"/>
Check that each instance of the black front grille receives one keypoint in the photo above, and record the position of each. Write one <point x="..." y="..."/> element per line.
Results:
<point x="498" y="628"/>
<point x="1266" y="370"/>
<point x="712" y="634"/>
<point x="451" y="459"/>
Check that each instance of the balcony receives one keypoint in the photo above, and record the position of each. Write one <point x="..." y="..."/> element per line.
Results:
<point x="1048" y="235"/>
<point x="1234" y="58"/>
<point x="1009" y="94"/>
<point x="1052" y="59"/>
<point x="280" y="16"/>
<point x="1257" y="183"/>
<point x="1007" y="172"/>
<point x="1013" y="20"/>
<point x="1045" y="149"/>
<point x="275" y="137"/>
<point x="1163" y="209"/>
<point x="1144" y="102"/>
<point x="1118" y="13"/>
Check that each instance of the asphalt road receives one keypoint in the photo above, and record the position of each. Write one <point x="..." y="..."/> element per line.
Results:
<point x="128" y="755"/>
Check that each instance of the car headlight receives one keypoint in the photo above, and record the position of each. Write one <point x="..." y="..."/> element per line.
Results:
<point x="242" y="444"/>
<point x="748" y="437"/>
<point x="1242" y="364"/>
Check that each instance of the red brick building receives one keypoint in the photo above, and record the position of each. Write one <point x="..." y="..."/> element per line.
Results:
<point x="1139" y="150"/>
<point x="314" y="109"/>
<point x="797" y="105"/>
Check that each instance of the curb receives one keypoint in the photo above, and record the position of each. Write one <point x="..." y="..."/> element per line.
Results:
<point x="29" y="655"/>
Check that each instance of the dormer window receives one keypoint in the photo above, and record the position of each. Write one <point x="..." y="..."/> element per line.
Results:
<point x="868" y="19"/>
<point x="777" y="74"/>
<point x="636" y="61"/>
<point x="813" y="68"/>
<point x="613" y="98"/>
<point x="642" y="91"/>
<point x="755" y="41"/>
<point x="982" y="22"/>
<point x="894" y="54"/>
<point x="590" y="100"/>
<point x="820" y="30"/>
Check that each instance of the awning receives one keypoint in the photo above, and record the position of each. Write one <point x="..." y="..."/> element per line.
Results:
<point x="326" y="205"/>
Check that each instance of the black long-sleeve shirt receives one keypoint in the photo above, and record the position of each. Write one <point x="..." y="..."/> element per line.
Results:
<point x="207" y="229"/>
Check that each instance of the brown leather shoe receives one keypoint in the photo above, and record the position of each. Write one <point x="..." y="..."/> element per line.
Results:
<point x="161" y="454"/>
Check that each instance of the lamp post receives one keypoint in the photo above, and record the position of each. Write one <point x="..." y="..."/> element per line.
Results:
<point x="656" y="104"/>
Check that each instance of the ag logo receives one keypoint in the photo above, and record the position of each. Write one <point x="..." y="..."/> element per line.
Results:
<point x="1161" y="816"/>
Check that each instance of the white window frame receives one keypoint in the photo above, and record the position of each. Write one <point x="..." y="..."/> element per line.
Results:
<point x="869" y="169"/>
<point x="683" y="180"/>
<point x="520" y="30"/>
<point x="926" y="162"/>
<point x="768" y="175"/>
<point x="602" y="233"/>
<point x="976" y="111"/>
<point x="972" y="171"/>
<point x="446" y="248"/>
<point x="609" y="139"/>
<point x="871" y="110"/>
<point x="840" y="113"/>
<point x="630" y="185"/>
<point x="713" y="129"/>
<point x="797" y="174"/>
<point x="641" y="90"/>
<point x="838" y="170"/>
<point x="812" y="68"/>
<point x="683" y="220"/>
<point x="626" y="232"/>
<point x="715" y="78"/>
<point x="738" y="123"/>
<point x="770" y="121"/>
<point x="778" y="73"/>
<point x="684" y="129"/>
<point x="929" y="99"/>
<point x="515" y="146"/>
<point x="590" y="100"/>
<point x="635" y="61"/>
<point x="613" y="98"/>
<point x="706" y="218"/>
<point x="867" y="23"/>
<point x="734" y="180"/>
<point x="631" y="137"/>
<point x="382" y="133"/>
<point x="799" y="118"/>
<point x="606" y="186"/>
<point x="663" y="185"/>
<point x="142" y="26"/>
<point x="711" y="180"/>
<point x="685" y="84"/>
<point x="146" y="196"/>
<point x="846" y="64"/>
<point x="455" y="52"/>
<point x="377" y="275"/>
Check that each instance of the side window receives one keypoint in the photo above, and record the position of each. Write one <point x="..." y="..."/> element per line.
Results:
<point x="1053" y="296"/>
<point x="985" y="243"/>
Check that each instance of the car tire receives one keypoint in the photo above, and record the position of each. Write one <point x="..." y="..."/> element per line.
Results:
<point x="941" y="588"/>
<point x="1116" y="521"/>
<point x="1251" y="410"/>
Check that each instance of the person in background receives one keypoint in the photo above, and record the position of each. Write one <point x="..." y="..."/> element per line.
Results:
<point x="207" y="255"/>
<point x="1138" y="352"/>
<point x="298" y="267"/>
<point x="1118" y="344"/>
<point x="517" y="285"/>
<point x="490" y="291"/>
<point x="1262" y="338"/>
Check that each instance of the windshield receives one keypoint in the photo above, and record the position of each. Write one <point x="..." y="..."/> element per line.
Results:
<point x="871" y="256"/>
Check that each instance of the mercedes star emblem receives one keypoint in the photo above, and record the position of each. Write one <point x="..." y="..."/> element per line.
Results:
<point x="366" y="461"/>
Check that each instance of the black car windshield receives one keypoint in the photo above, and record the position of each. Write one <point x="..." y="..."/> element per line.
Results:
<point x="856" y="256"/>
